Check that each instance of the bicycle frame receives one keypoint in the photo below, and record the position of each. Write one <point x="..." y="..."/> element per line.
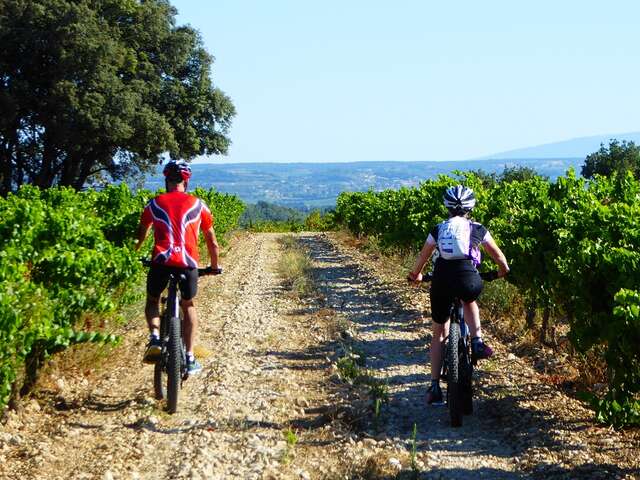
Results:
<point x="172" y="310"/>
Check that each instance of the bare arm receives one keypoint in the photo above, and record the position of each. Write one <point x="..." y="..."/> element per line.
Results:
<point x="212" y="246"/>
<point x="143" y="231"/>
<point x="496" y="254"/>
<point x="421" y="261"/>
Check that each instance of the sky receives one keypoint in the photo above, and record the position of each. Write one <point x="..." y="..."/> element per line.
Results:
<point x="352" y="80"/>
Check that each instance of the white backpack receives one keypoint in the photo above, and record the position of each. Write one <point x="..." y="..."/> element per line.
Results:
<point x="454" y="238"/>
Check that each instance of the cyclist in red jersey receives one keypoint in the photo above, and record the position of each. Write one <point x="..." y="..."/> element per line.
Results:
<point x="176" y="218"/>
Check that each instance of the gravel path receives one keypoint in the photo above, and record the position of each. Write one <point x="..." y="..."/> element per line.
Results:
<point x="269" y="403"/>
<point x="521" y="428"/>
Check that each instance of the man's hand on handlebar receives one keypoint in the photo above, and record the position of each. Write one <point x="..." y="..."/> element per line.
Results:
<point x="210" y="270"/>
<point x="415" y="279"/>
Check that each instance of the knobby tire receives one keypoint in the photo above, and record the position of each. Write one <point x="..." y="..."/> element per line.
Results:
<point x="158" y="381"/>
<point x="465" y="382"/>
<point x="174" y="364"/>
<point x="453" y="376"/>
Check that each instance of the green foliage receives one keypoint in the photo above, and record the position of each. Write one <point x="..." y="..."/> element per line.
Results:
<point x="261" y="212"/>
<point x="94" y="88"/>
<point x="267" y="217"/>
<point x="226" y="210"/>
<point x="573" y="246"/>
<point x="618" y="157"/>
<point x="319" y="222"/>
<point x="509" y="174"/>
<point x="64" y="254"/>
<point x="277" y="227"/>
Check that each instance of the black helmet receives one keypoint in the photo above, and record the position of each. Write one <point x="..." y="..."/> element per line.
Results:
<point x="177" y="171"/>
<point x="459" y="199"/>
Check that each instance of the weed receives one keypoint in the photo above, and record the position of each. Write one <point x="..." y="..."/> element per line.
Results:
<point x="380" y="330"/>
<point x="377" y="405"/>
<point x="414" y="464"/>
<point x="348" y="369"/>
<point x="292" y="439"/>
<point x="378" y="389"/>
<point x="294" y="266"/>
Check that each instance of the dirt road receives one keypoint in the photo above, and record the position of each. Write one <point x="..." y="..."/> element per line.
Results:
<point x="269" y="402"/>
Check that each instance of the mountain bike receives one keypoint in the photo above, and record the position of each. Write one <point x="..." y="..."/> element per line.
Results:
<point x="457" y="361"/>
<point x="171" y="368"/>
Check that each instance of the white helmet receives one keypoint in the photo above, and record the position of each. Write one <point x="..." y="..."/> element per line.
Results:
<point x="459" y="199"/>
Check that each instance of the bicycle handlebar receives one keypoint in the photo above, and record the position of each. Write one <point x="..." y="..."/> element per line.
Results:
<point x="201" y="271"/>
<point x="486" y="276"/>
<point x="209" y="271"/>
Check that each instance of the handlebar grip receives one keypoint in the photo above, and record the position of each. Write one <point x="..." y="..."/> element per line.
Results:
<point x="489" y="276"/>
<point x="209" y="271"/>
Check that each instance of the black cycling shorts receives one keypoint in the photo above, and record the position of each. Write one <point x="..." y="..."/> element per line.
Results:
<point x="453" y="279"/>
<point x="158" y="279"/>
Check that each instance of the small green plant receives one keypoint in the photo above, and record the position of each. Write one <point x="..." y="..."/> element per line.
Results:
<point x="380" y="330"/>
<point x="377" y="409"/>
<point x="348" y="369"/>
<point x="378" y="389"/>
<point x="414" y="464"/>
<point x="377" y="405"/>
<point x="292" y="439"/>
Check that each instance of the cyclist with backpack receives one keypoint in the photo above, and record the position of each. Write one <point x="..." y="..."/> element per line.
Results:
<point x="457" y="242"/>
<point x="176" y="218"/>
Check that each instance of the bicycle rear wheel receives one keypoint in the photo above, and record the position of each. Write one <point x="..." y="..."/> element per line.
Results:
<point x="174" y="364"/>
<point x="466" y="386"/>
<point x="454" y="399"/>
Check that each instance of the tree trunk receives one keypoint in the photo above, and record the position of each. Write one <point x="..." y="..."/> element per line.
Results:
<point x="45" y="177"/>
<point x="531" y="313"/>
<point x="5" y="174"/>
<point x="545" y="326"/>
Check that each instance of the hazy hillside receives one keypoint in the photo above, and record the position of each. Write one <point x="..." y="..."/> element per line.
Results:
<point x="317" y="185"/>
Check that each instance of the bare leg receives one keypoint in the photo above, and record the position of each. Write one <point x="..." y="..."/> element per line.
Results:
<point x="440" y="331"/>
<point x="190" y="324"/>
<point x="472" y="318"/>
<point x="152" y="312"/>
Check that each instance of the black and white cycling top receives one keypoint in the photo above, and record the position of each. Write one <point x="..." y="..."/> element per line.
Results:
<point x="458" y="238"/>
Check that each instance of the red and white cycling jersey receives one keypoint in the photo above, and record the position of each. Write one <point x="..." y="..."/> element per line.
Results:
<point x="176" y="218"/>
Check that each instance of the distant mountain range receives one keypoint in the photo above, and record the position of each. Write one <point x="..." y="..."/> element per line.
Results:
<point x="576" y="147"/>
<point x="311" y="185"/>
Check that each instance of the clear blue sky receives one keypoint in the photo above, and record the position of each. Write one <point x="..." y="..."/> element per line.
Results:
<point x="418" y="80"/>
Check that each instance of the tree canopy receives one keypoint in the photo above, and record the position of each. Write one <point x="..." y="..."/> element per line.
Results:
<point x="92" y="88"/>
<point x="518" y="173"/>
<point x="618" y="157"/>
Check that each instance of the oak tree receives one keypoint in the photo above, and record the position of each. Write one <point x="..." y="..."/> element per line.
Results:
<point x="92" y="88"/>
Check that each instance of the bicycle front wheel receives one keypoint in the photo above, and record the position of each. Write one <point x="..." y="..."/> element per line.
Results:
<point x="174" y="364"/>
<point x="454" y="399"/>
<point x="158" y="381"/>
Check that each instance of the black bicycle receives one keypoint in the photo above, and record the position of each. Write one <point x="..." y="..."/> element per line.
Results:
<point x="457" y="361"/>
<point x="171" y="368"/>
